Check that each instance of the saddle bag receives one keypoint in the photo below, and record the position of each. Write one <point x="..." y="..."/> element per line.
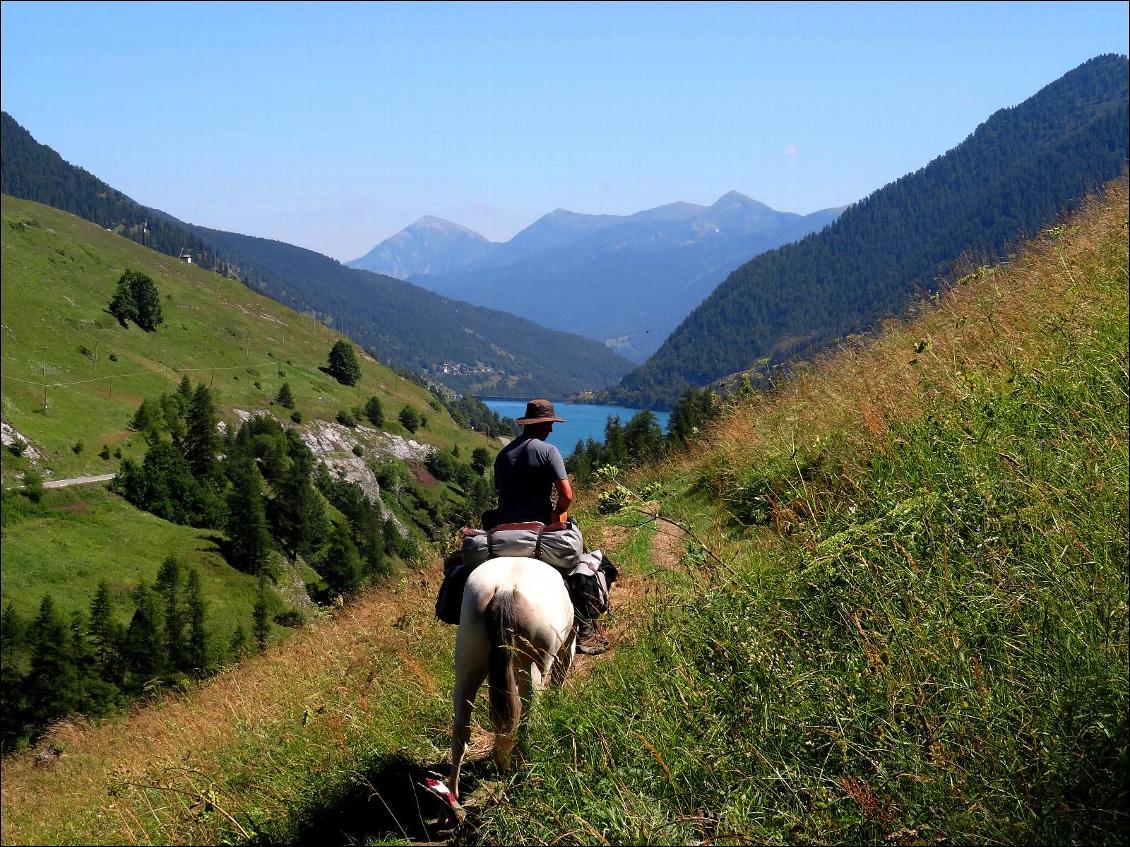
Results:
<point x="450" y="598"/>
<point x="589" y="584"/>
<point x="560" y="545"/>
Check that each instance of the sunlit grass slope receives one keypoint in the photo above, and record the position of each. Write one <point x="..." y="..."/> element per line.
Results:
<point x="59" y="273"/>
<point x="917" y="632"/>
<point x="915" y="629"/>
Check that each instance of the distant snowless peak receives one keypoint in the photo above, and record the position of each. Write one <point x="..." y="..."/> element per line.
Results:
<point x="432" y="222"/>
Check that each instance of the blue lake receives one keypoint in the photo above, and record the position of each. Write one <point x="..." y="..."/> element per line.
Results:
<point x="582" y="421"/>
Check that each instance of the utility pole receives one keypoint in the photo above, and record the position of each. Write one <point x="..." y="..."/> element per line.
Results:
<point x="43" y="366"/>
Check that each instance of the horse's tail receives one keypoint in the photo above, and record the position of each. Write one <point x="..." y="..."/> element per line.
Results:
<point x="505" y="704"/>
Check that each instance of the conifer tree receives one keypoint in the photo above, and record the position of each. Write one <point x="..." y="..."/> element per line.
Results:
<point x="238" y="642"/>
<point x="94" y="696"/>
<point x="249" y="541"/>
<point x="201" y="441"/>
<point x="52" y="684"/>
<point x="168" y="586"/>
<point x="142" y="648"/>
<point x="184" y="393"/>
<point x="146" y="301"/>
<point x="197" y="636"/>
<point x="340" y="563"/>
<point x="105" y="635"/>
<point x="285" y="398"/>
<point x="615" y="450"/>
<point x="13" y="705"/>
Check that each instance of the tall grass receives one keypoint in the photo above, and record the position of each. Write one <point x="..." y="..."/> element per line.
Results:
<point x="921" y="634"/>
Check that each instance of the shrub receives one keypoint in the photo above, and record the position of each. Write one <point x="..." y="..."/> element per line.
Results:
<point x="343" y="363"/>
<point x="358" y="450"/>
<point x="374" y="412"/>
<point x="17" y="447"/>
<point x="346" y="419"/>
<point x="32" y="487"/>
<point x="409" y="419"/>
<point x="104" y="453"/>
<point x="76" y="448"/>
<point x="290" y="618"/>
<point x="296" y="416"/>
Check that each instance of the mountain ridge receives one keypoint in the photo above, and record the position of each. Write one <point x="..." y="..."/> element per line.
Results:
<point x="624" y="280"/>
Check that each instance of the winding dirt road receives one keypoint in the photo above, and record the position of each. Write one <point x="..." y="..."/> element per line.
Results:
<point x="78" y="480"/>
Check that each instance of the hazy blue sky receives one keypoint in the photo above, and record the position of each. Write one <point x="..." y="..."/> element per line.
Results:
<point x="333" y="126"/>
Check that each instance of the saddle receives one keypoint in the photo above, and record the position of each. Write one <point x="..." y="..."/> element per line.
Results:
<point x="588" y="576"/>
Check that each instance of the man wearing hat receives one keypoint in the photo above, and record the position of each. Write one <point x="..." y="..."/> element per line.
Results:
<point x="527" y="470"/>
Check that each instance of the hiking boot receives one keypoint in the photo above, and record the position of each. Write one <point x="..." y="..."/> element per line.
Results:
<point x="590" y="642"/>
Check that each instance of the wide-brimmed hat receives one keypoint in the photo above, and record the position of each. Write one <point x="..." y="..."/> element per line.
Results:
<point x="539" y="411"/>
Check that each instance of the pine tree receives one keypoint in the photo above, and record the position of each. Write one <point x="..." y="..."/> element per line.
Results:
<point x="201" y="441"/>
<point x="142" y="648"/>
<point x="168" y="586"/>
<point x="285" y="398"/>
<point x="105" y="635"/>
<point x="340" y="563"/>
<point x="248" y="539"/>
<point x="197" y="636"/>
<point x="184" y="394"/>
<point x="94" y="695"/>
<point x="343" y="363"/>
<point x="13" y="702"/>
<point x="615" y="450"/>
<point x="52" y="684"/>
<point x="238" y="642"/>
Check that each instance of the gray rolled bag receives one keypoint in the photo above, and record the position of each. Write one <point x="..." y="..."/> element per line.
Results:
<point x="560" y="544"/>
<point x="589" y="576"/>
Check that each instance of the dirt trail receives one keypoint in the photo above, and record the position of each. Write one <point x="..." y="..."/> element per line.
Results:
<point x="78" y="480"/>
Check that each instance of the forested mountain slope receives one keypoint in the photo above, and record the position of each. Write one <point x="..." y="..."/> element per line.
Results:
<point x="1013" y="175"/>
<point x="464" y="347"/>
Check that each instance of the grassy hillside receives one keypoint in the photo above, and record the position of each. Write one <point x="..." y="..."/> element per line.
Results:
<point x="902" y="618"/>
<point x="59" y="274"/>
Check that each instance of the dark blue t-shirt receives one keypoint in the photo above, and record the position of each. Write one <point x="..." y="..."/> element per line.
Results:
<point x="524" y="473"/>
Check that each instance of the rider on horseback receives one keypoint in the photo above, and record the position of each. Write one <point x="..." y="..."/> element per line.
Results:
<point x="527" y="473"/>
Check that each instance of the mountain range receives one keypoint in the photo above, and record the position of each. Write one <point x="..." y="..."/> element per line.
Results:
<point x="625" y="280"/>
<point x="464" y="347"/>
<point x="1015" y="174"/>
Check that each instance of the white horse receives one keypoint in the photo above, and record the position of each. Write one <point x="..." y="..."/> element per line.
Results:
<point x="515" y="626"/>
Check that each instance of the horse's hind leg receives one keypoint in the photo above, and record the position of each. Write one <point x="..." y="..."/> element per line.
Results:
<point x="564" y="658"/>
<point x="527" y="675"/>
<point x="470" y="673"/>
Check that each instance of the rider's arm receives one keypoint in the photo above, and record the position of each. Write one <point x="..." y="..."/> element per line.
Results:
<point x="564" y="498"/>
